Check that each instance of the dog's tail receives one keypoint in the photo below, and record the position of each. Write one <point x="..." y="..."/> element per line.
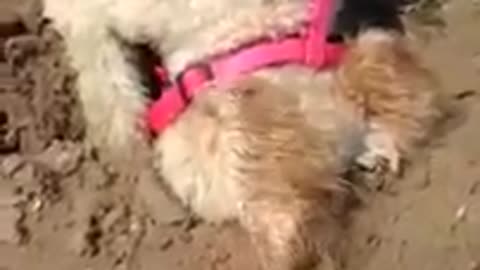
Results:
<point x="108" y="86"/>
<point x="385" y="87"/>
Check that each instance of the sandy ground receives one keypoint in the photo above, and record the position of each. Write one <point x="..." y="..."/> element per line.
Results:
<point x="63" y="208"/>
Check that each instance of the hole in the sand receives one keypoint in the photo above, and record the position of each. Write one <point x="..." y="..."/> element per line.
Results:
<point x="465" y="94"/>
<point x="3" y="118"/>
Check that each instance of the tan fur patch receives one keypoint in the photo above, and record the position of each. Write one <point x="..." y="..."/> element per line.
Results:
<point x="383" y="84"/>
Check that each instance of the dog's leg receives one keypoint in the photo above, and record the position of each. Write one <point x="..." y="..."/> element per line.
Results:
<point x="289" y="233"/>
<point x="108" y="85"/>
<point x="383" y="86"/>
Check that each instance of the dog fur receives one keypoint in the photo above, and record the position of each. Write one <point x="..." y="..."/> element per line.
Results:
<point x="265" y="150"/>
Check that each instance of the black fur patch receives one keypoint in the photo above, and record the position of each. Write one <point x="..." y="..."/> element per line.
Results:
<point x="353" y="16"/>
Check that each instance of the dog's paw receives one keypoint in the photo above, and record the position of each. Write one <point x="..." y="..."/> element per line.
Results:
<point x="374" y="162"/>
<point x="381" y="154"/>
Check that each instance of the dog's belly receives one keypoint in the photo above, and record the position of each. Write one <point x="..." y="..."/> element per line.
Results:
<point x="220" y="144"/>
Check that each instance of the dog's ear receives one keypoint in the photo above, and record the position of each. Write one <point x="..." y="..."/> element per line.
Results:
<point x="352" y="16"/>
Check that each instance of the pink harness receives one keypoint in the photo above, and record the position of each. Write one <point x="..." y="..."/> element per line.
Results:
<point x="309" y="48"/>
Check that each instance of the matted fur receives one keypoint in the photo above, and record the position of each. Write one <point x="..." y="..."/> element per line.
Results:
<point x="264" y="150"/>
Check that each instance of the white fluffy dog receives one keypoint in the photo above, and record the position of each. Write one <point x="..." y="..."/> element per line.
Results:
<point x="263" y="147"/>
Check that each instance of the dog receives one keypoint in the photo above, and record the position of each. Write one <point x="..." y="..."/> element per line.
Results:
<point x="264" y="147"/>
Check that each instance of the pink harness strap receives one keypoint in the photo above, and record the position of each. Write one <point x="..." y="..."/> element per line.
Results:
<point x="309" y="49"/>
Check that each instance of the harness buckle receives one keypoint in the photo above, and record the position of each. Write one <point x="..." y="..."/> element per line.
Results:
<point x="192" y="76"/>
